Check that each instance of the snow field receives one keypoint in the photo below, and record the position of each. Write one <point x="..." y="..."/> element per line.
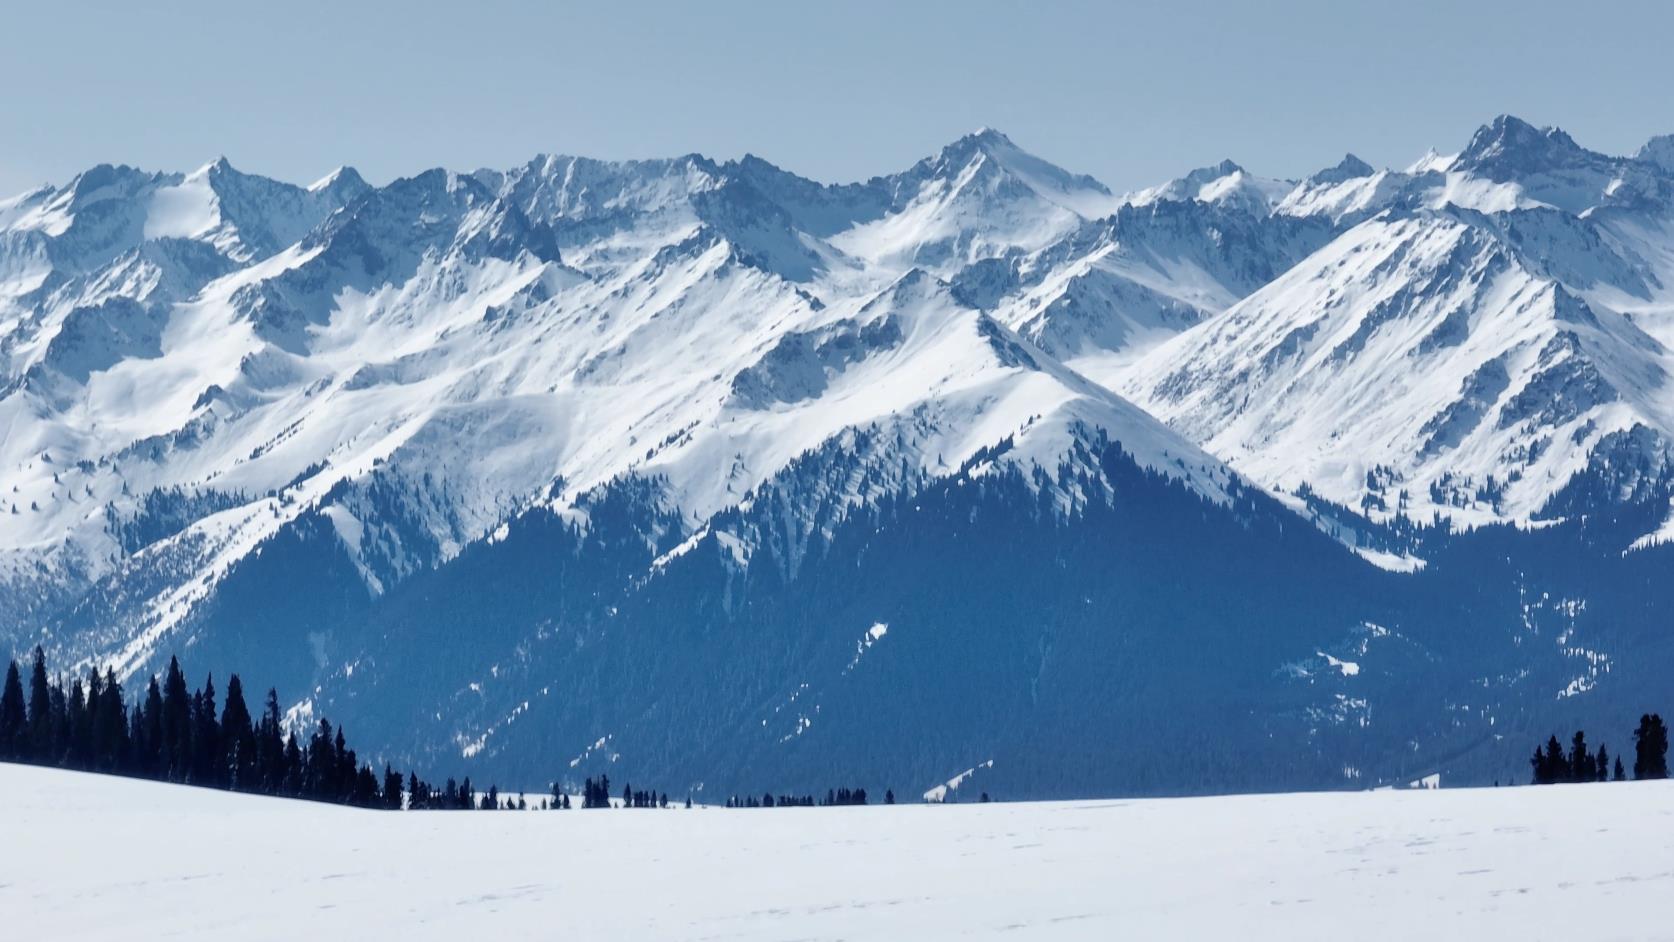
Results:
<point x="92" y="857"/>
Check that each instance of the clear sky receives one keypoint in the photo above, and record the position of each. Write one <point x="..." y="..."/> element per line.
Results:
<point x="1133" y="93"/>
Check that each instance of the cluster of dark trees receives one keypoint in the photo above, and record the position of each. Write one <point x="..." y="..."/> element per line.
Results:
<point x="174" y="734"/>
<point x="596" y="794"/>
<point x="833" y="797"/>
<point x="1553" y="764"/>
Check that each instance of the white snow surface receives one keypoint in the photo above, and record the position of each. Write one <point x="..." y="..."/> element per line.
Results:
<point x="1565" y="861"/>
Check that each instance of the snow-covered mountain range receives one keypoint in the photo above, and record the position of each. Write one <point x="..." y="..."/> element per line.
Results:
<point x="306" y="430"/>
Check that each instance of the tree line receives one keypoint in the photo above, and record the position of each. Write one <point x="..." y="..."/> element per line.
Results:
<point x="1553" y="764"/>
<point x="596" y="794"/>
<point x="173" y="734"/>
<point x="833" y="798"/>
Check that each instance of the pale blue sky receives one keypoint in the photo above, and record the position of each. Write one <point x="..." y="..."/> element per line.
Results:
<point x="1132" y="93"/>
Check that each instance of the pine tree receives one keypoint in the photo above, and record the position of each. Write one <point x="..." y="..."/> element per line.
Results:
<point x="1621" y="773"/>
<point x="176" y="713"/>
<point x="889" y="796"/>
<point x="270" y="745"/>
<point x="343" y="774"/>
<point x="292" y="769"/>
<point x="41" y="711"/>
<point x="1650" y="742"/>
<point x="79" y="741"/>
<point x="238" y="740"/>
<point x="153" y="753"/>
<point x="58" y="723"/>
<point x="392" y="788"/>
<point x="207" y="765"/>
<point x="1580" y="759"/>
<point x="1557" y="765"/>
<point x="14" y="718"/>
<point x="321" y="777"/>
<point x="1601" y="771"/>
<point x="111" y="746"/>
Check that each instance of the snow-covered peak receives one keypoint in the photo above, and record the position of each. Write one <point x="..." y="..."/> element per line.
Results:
<point x="1349" y="168"/>
<point x="1658" y="150"/>
<point x="1224" y="183"/>
<point x="1509" y="145"/>
<point x="1432" y="162"/>
<point x="1424" y="362"/>
<point x="337" y="175"/>
<point x="988" y="152"/>
<point x="979" y="197"/>
<point x="1544" y="164"/>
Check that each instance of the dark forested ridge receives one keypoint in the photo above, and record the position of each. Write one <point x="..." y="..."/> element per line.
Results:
<point x="1047" y="628"/>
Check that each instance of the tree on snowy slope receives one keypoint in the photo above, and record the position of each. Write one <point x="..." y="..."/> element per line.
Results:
<point x="1581" y="765"/>
<point x="238" y="738"/>
<point x="40" y="707"/>
<point x="173" y="734"/>
<point x="14" y="723"/>
<point x="1551" y="765"/>
<point x="1650" y="743"/>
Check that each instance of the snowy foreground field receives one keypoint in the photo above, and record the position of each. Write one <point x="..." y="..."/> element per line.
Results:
<point x="89" y="857"/>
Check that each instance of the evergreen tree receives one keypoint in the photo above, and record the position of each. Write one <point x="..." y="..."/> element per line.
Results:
<point x="58" y="724"/>
<point x="80" y="739"/>
<point x="150" y="752"/>
<point x="366" y="793"/>
<point x="321" y="776"/>
<point x="238" y="740"/>
<point x="1557" y="765"/>
<point x="176" y="713"/>
<point x="392" y="788"/>
<point x="1650" y="744"/>
<point x="1601" y="767"/>
<point x="207" y="764"/>
<point x="1580" y="759"/>
<point x="111" y="744"/>
<point x="270" y="745"/>
<point x="293" y="772"/>
<point x="40" y="710"/>
<point x="1621" y="773"/>
<point x="343" y="774"/>
<point x="14" y="718"/>
<point x="889" y="796"/>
